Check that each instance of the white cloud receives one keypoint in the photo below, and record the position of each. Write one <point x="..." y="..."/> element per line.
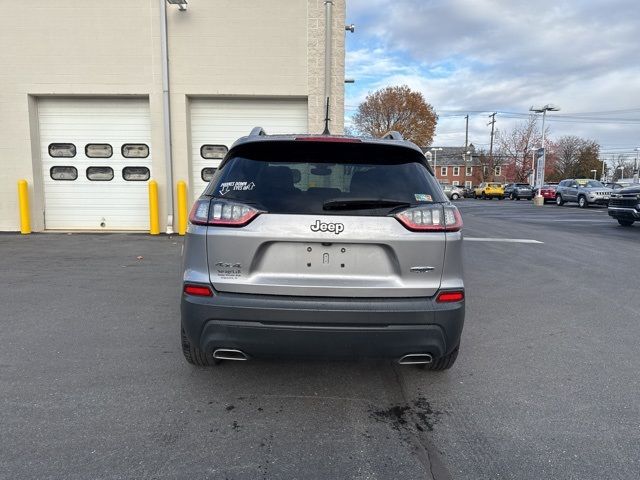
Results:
<point x="502" y="55"/>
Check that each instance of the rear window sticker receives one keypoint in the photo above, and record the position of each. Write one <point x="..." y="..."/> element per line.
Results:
<point x="226" y="187"/>
<point x="421" y="197"/>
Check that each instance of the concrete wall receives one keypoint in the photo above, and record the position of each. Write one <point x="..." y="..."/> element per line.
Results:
<point x="94" y="48"/>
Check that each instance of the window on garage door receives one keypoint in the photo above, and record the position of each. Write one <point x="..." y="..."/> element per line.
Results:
<point x="136" y="174"/>
<point x="62" y="150"/>
<point x="60" y="172"/>
<point x="98" y="150"/>
<point x="135" y="150"/>
<point x="207" y="173"/>
<point x="211" y="152"/>
<point x="100" y="174"/>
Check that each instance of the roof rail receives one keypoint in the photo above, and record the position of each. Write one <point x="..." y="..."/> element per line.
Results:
<point x="392" y="135"/>
<point x="257" y="131"/>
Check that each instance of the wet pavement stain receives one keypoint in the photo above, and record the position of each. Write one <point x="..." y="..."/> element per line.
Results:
<point x="399" y="416"/>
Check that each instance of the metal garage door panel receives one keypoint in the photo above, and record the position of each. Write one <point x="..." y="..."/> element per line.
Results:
<point x="223" y="121"/>
<point x="95" y="205"/>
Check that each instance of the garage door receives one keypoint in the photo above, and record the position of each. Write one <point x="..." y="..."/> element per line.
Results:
<point x="96" y="163"/>
<point x="217" y="123"/>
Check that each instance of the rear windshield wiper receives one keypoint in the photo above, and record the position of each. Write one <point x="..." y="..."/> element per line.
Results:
<point x="362" y="203"/>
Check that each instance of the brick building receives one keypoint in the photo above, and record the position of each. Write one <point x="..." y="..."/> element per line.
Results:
<point x="454" y="167"/>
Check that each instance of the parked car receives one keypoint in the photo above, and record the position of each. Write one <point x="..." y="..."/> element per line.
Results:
<point x="548" y="192"/>
<point x="583" y="191"/>
<point x="489" y="190"/>
<point x="453" y="192"/>
<point x="516" y="191"/>
<point x="619" y="184"/>
<point x="468" y="192"/>
<point x="325" y="245"/>
<point x="624" y="205"/>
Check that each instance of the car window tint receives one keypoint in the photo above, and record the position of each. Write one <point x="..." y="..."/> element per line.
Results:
<point x="300" y="177"/>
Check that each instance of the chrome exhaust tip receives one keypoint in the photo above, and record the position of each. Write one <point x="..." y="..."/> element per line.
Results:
<point x="416" y="359"/>
<point x="229" y="354"/>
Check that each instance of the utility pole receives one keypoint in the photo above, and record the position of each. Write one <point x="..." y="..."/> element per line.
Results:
<point x="492" y="123"/>
<point x="466" y="150"/>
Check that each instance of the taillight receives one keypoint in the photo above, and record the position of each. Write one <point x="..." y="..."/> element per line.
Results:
<point x="431" y="218"/>
<point x="222" y="213"/>
<point x="450" y="297"/>
<point x="197" y="290"/>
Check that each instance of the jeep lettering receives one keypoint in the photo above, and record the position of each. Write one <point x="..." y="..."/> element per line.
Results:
<point x="327" y="227"/>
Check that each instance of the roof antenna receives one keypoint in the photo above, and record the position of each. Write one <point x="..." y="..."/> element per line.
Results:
<point x="326" y="120"/>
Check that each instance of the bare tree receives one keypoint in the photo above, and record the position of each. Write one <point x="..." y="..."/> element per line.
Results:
<point x="622" y="167"/>
<point x="397" y="108"/>
<point x="567" y="154"/>
<point x="516" y="147"/>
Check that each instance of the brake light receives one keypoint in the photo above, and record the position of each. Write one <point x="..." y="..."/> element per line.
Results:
<point x="197" y="290"/>
<point x="431" y="218"/>
<point x="450" y="297"/>
<point x="329" y="139"/>
<point x="222" y="213"/>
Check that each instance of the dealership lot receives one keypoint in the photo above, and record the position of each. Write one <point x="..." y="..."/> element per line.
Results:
<point x="94" y="384"/>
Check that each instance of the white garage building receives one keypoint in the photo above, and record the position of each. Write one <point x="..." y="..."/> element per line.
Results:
<point x="82" y="114"/>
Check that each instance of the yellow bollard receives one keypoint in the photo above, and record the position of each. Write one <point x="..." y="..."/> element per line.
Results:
<point x="23" y="201"/>
<point x="182" y="207"/>
<point x="154" y="218"/>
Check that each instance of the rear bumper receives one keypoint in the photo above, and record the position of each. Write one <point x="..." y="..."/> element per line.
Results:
<point x="269" y="325"/>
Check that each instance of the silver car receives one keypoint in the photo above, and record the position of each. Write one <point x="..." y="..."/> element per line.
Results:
<point x="453" y="192"/>
<point x="323" y="246"/>
<point x="583" y="191"/>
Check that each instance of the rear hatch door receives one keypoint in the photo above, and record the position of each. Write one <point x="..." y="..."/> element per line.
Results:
<point x="327" y="224"/>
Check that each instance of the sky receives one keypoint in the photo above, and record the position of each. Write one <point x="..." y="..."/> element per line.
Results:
<point x="481" y="56"/>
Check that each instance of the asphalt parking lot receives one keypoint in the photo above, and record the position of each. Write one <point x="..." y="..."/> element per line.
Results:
<point x="93" y="383"/>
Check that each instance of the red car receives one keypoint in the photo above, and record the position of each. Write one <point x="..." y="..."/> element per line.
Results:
<point x="548" y="191"/>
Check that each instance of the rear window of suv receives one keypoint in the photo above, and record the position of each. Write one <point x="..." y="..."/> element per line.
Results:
<point x="301" y="177"/>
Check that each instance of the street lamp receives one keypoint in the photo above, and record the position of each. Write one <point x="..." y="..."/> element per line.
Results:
<point x="435" y="158"/>
<point x="594" y="173"/>
<point x="541" y="163"/>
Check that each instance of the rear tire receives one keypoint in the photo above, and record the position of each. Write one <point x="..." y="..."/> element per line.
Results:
<point x="443" y="363"/>
<point x="625" y="223"/>
<point x="559" y="200"/>
<point x="455" y="196"/>
<point x="582" y="201"/>
<point x="193" y="354"/>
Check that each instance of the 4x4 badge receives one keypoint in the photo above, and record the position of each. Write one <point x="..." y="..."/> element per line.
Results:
<point x="327" y="227"/>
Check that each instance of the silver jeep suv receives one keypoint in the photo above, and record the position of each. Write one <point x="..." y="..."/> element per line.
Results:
<point x="323" y="246"/>
<point x="583" y="191"/>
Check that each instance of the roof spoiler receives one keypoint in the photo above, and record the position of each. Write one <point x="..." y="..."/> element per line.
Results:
<point x="392" y="135"/>
<point x="257" y="132"/>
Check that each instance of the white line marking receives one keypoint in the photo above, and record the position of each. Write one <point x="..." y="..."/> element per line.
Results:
<point x="504" y="240"/>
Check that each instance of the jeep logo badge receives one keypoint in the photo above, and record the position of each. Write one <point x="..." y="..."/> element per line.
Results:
<point x="327" y="227"/>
